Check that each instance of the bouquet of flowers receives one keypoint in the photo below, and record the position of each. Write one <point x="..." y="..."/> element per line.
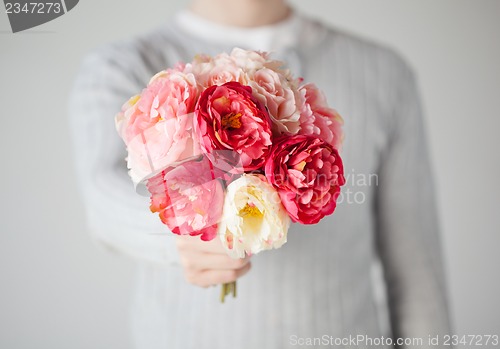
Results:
<point x="234" y="147"/>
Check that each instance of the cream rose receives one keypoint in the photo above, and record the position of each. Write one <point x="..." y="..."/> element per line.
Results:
<point x="253" y="217"/>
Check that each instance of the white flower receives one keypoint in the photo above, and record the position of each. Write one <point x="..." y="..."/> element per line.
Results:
<point x="253" y="217"/>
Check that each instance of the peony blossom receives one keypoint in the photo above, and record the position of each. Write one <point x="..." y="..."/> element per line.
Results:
<point x="156" y="125"/>
<point x="307" y="173"/>
<point x="272" y="85"/>
<point x="189" y="198"/>
<point x="318" y="119"/>
<point x="249" y="60"/>
<point x="229" y="118"/>
<point x="253" y="218"/>
<point x="240" y="120"/>
<point x="281" y="97"/>
<point x="217" y="70"/>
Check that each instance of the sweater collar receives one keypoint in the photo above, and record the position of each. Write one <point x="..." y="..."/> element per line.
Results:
<point x="271" y="38"/>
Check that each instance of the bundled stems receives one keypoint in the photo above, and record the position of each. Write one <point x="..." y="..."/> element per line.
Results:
<point x="226" y="289"/>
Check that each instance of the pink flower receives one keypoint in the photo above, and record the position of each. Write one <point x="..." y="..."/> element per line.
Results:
<point x="250" y="60"/>
<point x="240" y="66"/>
<point x="318" y="119"/>
<point x="230" y="119"/>
<point x="281" y="97"/>
<point x="169" y="94"/>
<point x="189" y="198"/>
<point x="167" y="143"/>
<point x="156" y="126"/>
<point x="217" y="71"/>
<point x="307" y="173"/>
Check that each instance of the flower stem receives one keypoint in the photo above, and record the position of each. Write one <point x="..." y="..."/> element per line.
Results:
<point x="226" y="289"/>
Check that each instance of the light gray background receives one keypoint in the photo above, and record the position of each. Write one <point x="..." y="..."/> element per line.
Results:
<point x="57" y="290"/>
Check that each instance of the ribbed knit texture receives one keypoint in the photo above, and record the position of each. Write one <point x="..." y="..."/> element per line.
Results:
<point x="322" y="281"/>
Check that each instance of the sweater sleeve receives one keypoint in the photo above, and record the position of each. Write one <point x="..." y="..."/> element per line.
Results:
<point x="117" y="216"/>
<point x="408" y="230"/>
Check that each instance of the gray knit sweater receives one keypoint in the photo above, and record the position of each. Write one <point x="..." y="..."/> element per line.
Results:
<point x="373" y="268"/>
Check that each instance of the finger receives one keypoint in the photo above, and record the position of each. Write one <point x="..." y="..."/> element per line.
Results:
<point x="203" y="261"/>
<point x="206" y="278"/>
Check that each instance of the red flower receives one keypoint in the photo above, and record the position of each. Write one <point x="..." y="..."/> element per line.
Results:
<point x="233" y="126"/>
<point x="307" y="173"/>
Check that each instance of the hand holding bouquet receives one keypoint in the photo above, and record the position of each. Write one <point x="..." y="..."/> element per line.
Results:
<point x="234" y="146"/>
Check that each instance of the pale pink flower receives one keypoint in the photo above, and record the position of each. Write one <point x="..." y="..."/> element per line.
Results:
<point x="217" y="70"/>
<point x="281" y="97"/>
<point x="249" y="60"/>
